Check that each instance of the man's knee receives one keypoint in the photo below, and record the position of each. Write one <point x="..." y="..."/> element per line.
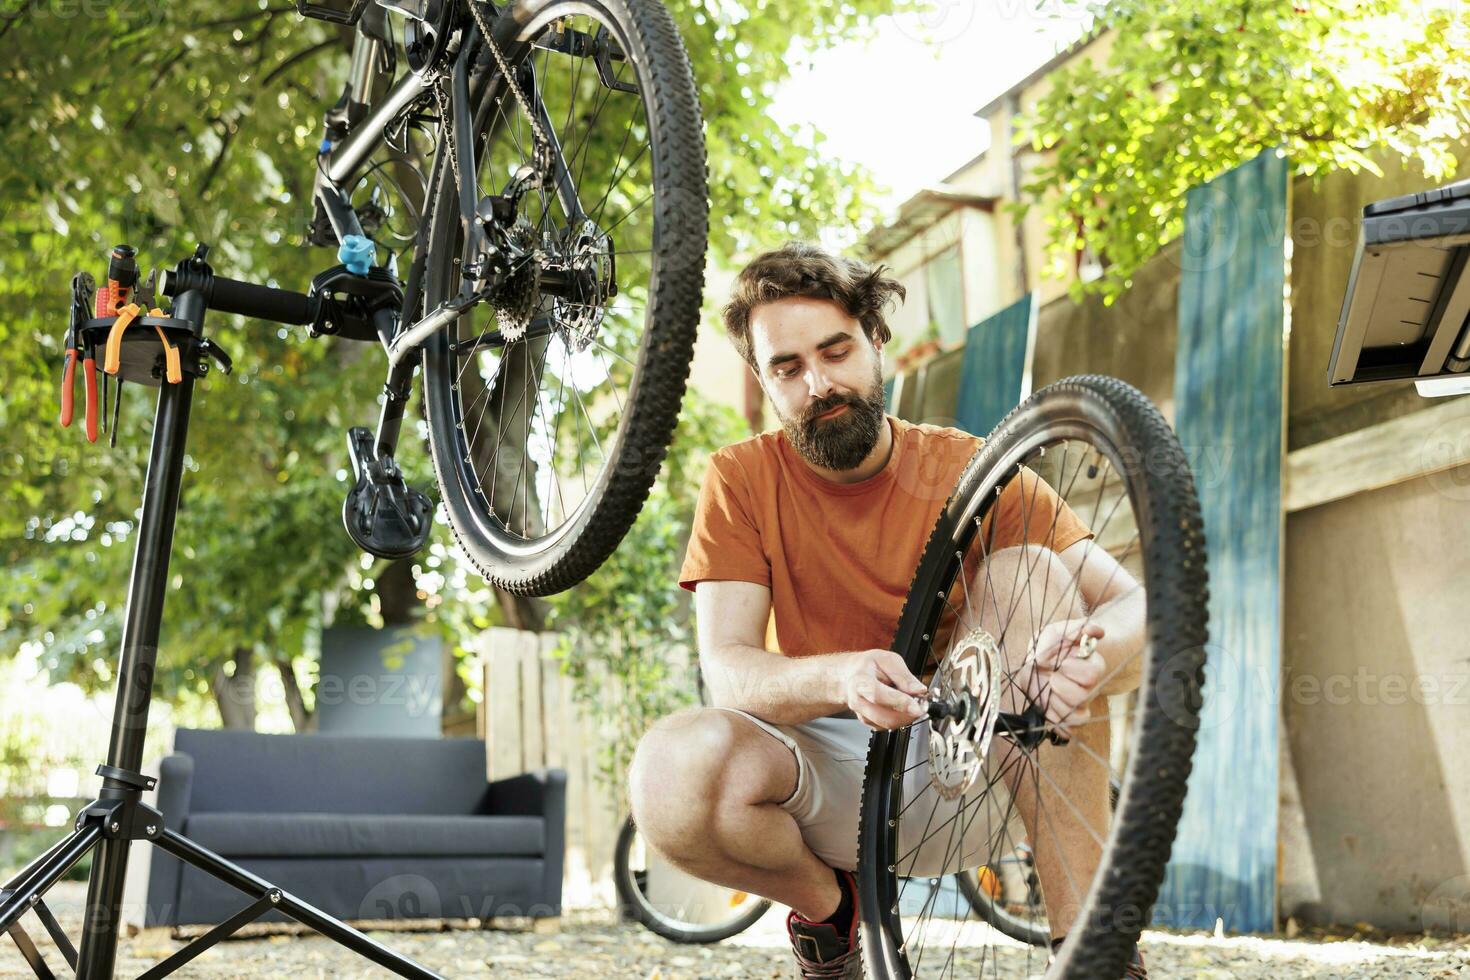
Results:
<point x="1022" y="571"/>
<point x="686" y="766"/>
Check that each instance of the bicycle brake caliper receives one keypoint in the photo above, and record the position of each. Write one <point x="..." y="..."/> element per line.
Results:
<point x="384" y="516"/>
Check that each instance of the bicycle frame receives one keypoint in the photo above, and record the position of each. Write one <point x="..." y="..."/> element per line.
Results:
<point x="340" y="164"/>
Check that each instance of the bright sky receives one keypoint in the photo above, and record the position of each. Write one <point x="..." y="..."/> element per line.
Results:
<point x="903" y="105"/>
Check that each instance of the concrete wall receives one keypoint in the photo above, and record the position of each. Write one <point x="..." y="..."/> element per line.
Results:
<point x="1134" y="339"/>
<point x="1372" y="800"/>
<point x="1376" y="690"/>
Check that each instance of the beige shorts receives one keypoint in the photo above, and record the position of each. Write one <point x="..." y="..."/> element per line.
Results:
<point x="831" y="754"/>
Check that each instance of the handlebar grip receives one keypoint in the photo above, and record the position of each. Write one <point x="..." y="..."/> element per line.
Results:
<point x="263" y="302"/>
<point x="247" y="298"/>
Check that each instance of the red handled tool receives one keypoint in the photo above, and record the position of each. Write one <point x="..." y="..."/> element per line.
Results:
<point x="82" y="287"/>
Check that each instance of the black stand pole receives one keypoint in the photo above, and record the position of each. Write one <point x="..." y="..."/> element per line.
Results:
<point x="135" y="675"/>
<point x="118" y="816"/>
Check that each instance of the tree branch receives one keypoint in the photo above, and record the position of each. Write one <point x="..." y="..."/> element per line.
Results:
<point x="226" y="139"/>
<point x="244" y="18"/>
<point x="158" y="76"/>
<point x="260" y="35"/>
<point x="15" y="17"/>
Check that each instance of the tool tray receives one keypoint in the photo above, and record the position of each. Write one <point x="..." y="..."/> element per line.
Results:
<point x="141" y="358"/>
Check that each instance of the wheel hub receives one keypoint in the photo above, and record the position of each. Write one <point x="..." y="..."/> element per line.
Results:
<point x="967" y="684"/>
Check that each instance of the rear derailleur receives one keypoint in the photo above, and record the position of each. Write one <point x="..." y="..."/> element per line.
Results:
<point x="556" y="278"/>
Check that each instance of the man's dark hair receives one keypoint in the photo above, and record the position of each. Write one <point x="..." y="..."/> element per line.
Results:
<point x="804" y="269"/>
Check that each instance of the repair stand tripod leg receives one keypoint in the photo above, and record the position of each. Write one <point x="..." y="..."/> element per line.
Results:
<point x="118" y="816"/>
<point x="268" y="896"/>
<point x="24" y="892"/>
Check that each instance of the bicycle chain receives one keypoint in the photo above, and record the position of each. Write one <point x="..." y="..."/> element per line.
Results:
<point x="446" y="119"/>
<point x="511" y="313"/>
<point x="446" y="126"/>
<point x="537" y="132"/>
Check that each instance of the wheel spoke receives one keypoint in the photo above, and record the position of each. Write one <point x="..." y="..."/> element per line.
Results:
<point x="594" y="351"/>
<point x="1062" y="814"/>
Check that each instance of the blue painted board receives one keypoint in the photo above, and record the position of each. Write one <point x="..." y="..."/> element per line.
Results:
<point x="1228" y="407"/>
<point x="994" y="368"/>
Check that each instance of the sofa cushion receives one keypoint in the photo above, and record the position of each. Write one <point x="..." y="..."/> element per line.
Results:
<point x="240" y="771"/>
<point x="336" y="834"/>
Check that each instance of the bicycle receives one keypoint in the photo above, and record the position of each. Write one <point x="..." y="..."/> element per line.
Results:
<point x="587" y="295"/>
<point x="674" y="905"/>
<point x="580" y="249"/>
<point x="683" y="909"/>
<point x="987" y="752"/>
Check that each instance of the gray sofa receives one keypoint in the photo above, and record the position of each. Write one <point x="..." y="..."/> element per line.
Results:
<point x="361" y="828"/>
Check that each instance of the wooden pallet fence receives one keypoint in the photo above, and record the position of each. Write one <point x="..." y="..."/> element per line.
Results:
<point x="529" y="720"/>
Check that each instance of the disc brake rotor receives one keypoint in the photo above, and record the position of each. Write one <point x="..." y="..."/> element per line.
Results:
<point x="969" y="676"/>
<point x="589" y="251"/>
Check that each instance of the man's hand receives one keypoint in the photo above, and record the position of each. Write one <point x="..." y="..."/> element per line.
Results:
<point x="880" y="690"/>
<point x="1059" y="672"/>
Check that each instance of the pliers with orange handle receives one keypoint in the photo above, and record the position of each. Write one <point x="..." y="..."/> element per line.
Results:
<point x="82" y="287"/>
<point x="173" y="364"/>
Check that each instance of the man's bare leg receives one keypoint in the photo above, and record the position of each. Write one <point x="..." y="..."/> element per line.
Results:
<point x="1070" y="782"/>
<point x="706" y="787"/>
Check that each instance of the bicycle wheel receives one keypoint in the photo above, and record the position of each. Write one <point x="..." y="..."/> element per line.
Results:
<point x="1007" y="895"/>
<point x="550" y="410"/>
<point x="941" y="796"/>
<point x="674" y="905"/>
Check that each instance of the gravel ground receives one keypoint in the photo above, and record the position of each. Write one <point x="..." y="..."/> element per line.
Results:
<point x="592" y="944"/>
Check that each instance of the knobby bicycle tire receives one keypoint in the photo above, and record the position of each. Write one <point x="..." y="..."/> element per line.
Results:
<point x="1118" y="421"/>
<point x="561" y="558"/>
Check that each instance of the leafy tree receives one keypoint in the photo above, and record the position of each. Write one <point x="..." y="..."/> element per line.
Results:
<point x="1193" y="88"/>
<point x="629" y="621"/>
<point x="166" y="124"/>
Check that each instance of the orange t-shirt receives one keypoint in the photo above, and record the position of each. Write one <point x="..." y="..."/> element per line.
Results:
<point x="839" y="557"/>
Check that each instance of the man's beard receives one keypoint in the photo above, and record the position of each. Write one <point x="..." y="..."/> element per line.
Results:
<point x="842" y="442"/>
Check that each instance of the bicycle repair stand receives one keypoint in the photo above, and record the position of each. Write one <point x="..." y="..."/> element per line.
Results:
<point x="118" y="817"/>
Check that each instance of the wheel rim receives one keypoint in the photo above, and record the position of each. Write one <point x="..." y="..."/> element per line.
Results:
<point x="729" y="913"/>
<point x="1007" y="894"/>
<point x="931" y="936"/>
<point x="539" y="421"/>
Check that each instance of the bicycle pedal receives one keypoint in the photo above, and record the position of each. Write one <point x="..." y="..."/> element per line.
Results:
<point x="383" y="515"/>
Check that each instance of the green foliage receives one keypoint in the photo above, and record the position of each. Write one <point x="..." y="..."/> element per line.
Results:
<point x="163" y="124"/>
<point x="629" y="621"/>
<point x="1193" y="88"/>
<point x="146" y="124"/>
<point x="766" y="184"/>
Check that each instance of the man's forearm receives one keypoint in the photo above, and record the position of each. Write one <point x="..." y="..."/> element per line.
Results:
<point x="779" y="689"/>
